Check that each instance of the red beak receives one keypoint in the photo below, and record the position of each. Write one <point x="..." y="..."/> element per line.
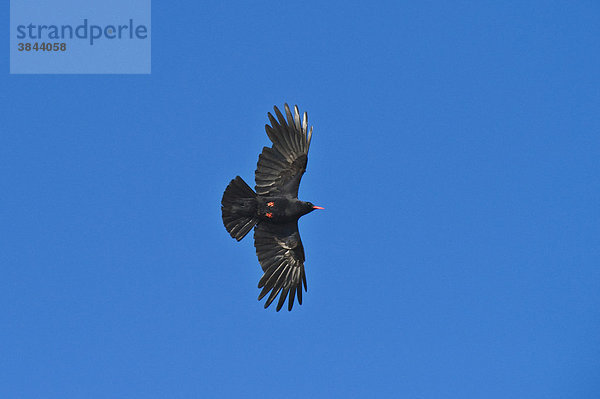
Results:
<point x="317" y="207"/>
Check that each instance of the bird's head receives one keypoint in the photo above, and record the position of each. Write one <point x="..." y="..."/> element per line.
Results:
<point x="309" y="207"/>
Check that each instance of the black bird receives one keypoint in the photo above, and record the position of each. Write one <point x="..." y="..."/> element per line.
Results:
<point x="275" y="208"/>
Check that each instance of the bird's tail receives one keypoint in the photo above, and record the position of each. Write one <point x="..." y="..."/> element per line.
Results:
<point x="238" y="208"/>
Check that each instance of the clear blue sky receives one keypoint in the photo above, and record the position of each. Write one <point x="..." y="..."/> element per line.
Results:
<point x="455" y="149"/>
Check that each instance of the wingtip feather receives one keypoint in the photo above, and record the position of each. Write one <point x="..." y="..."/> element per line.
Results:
<point x="304" y="123"/>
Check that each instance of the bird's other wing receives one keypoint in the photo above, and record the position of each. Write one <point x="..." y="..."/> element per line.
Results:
<point x="281" y="256"/>
<point x="281" y="167"/>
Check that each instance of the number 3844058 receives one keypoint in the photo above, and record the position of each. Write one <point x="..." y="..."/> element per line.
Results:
<point x="42" y="46"/>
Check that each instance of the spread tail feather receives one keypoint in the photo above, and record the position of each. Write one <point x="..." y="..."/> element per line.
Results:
<point x="238" y="208"/>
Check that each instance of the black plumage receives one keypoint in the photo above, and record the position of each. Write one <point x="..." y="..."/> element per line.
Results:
<point x="274" y="209"/>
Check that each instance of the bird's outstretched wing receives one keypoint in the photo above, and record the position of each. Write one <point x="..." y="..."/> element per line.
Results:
<point x="281" y="167"/>
<point x="281" y="256"/>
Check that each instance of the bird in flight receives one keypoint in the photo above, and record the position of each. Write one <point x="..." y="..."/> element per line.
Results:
<point x="275" y="208"/>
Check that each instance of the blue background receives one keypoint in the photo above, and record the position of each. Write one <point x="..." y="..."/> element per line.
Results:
<point x="455" y="151"/>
